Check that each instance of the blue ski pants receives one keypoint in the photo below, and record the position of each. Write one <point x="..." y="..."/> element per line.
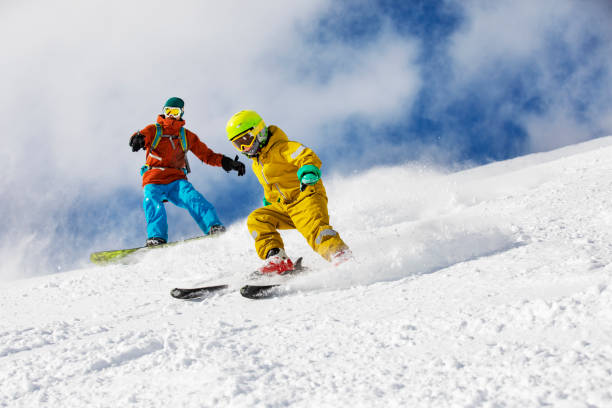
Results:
<point x="182" y="194"/>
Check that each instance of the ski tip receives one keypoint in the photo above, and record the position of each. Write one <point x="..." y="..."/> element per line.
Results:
<point x="259" y="291"/>
<point x="193" y="293"/>
<point x="177" y="293"/>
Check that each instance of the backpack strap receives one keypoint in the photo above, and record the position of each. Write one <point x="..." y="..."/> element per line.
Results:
<point x="158" y="136"/>
<point x="185" y="146"/>
<point x="183" y="137"/>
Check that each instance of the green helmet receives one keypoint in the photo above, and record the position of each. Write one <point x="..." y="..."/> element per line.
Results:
<point x="175" y="102"/>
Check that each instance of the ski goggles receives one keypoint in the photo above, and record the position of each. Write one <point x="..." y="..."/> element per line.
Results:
<point x="172" y="111"/>
<point x="244" y="141"/>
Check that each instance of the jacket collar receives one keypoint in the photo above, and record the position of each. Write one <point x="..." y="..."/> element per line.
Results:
<point x="170" y="124"/>
<point x="275" y="135"/>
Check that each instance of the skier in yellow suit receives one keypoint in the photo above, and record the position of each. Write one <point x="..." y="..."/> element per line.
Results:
<point x="294" y="195"/>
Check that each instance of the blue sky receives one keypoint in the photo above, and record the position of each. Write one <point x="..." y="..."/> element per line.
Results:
<point x="364" y="83"/>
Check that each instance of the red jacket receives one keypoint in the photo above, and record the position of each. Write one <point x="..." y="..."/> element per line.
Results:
<point x="172" y="158"/>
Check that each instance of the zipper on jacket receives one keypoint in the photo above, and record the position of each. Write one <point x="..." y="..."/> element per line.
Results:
<point x="280" y="192"/>
<point x="262" y="172"/>
<point x="267" y="182"/>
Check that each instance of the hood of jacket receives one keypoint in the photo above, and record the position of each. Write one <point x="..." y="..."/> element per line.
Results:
<point x="275" y="135"/>
<point x="170" y="125"/>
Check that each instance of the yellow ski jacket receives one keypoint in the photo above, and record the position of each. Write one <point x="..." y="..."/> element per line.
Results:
<point x="277" y="164"/>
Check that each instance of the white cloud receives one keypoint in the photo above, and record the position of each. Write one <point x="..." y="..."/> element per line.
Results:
<point x="504" y="31"/>
<point x="87" y="74"/>
<point x="547" y="38"/>
<point x="554" y="130"/>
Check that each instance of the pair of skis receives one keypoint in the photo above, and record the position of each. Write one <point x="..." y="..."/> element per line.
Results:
<point x="248" y="291"/>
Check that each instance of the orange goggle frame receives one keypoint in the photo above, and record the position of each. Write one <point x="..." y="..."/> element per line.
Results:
<point x="245" y="140"/>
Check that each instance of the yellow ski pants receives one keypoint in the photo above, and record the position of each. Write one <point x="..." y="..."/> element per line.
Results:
<point x="308" y="215"/>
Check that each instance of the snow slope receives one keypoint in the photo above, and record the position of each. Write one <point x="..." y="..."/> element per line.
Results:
<point x="490" y="287"/>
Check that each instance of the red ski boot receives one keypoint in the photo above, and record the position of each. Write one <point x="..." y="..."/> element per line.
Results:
<point x="277" y="262"/>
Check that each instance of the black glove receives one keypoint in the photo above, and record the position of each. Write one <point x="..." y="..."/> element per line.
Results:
<point x="137" y="141"/>
<point x="229" y="165"/>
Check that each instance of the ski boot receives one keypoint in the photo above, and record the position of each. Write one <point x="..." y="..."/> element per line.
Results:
<point x="155" y="241"/>
<point x="216" y="230"/>
<point x="277" y="262"/>
<point x="341" y="256"/>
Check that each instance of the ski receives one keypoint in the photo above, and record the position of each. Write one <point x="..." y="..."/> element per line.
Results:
<point x="194" y="293"/>
<point x="251" y="291"/>
<point x="260" y="291"/>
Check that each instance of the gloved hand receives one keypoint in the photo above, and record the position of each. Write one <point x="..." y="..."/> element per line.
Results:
<point x="308" y="175"/>
<point x="137" y="141"/>
<point x="229" y="165"/>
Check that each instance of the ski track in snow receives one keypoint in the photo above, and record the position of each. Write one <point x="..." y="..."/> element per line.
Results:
<point x="490" y="287"/>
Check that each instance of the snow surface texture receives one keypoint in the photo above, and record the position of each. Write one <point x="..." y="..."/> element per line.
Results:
<point x="490" y="287"/>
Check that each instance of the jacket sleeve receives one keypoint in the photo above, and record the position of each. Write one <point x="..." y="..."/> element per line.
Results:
<point x="202" y="151"/>
<point x="299" y="155"/>
<point x="149" y="134"/>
